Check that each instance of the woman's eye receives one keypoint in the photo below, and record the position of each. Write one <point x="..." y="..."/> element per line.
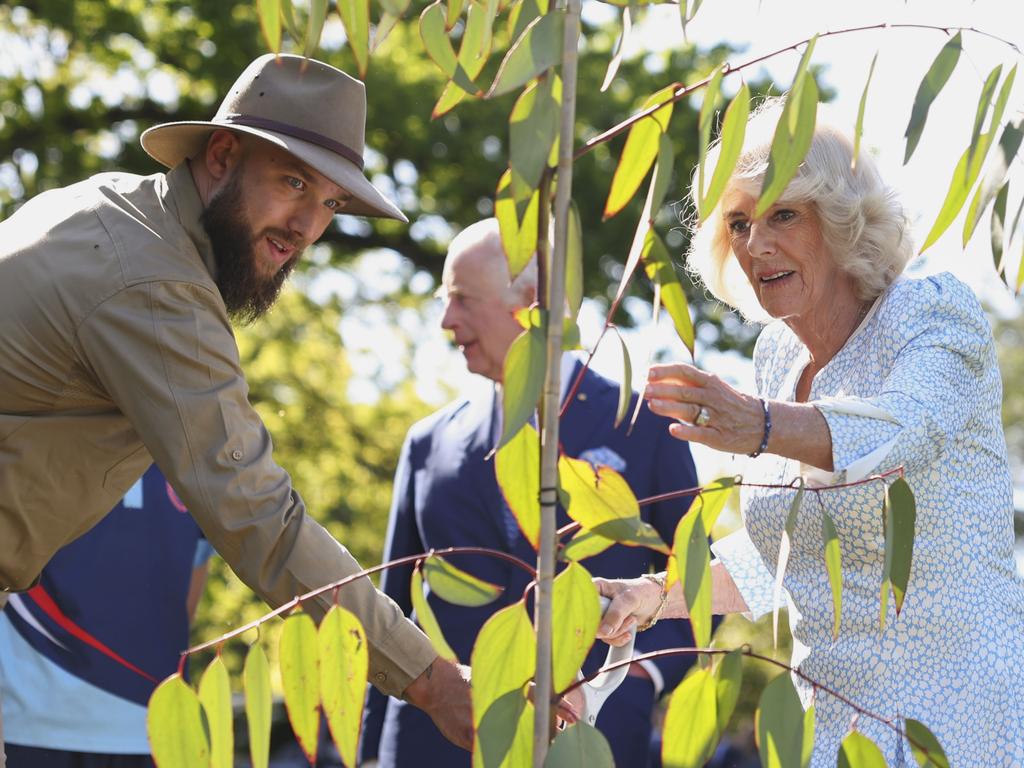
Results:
<point x="784" y="215"/>
<point x="738" y="226"/>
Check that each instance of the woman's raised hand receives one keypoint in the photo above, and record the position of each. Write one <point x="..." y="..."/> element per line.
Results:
<point x="707" y="410"/>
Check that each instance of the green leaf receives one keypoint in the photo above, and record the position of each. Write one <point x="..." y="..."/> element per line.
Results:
<point x="315" y="25"/>
<point x="692" y="558"/>
<point x="934" y="80"/>
<point x="799" y="80"/>
<point x="707" y="113"/>
<point x="602" y="501"/>
<point x="386" y="23"/>
<point x="833" y="565"/>
<point x="900" y="516"/>
<point x="270" y="23"/>
<point x="344" y="664"/>
<point x="859" y="128"/>
<point x="662" y="174"/>
<point x="518" y="238"/>
<point x="576" y="611"/>
<point x="625" y="383"/>
<point x="984" y="102"/>
<point x="1009" y="144"/>
<point x="955" y="197"/>
<point x="998" y="221"/>
<point x="533" y="133"/>
<point x="522" y="14"/>
<point x="690" y="732"/>
<point x="785" y="733"/>
<point x="574" y="263"/>
<point x="290" y="24"/>
<point x="734" y="130"/>
<point x="658" y="265"/>
<point x="517" y="467"/>
<point x="639" y="152"/>
<point x="620" y="47"/>
<point x="175" y="727"/>
<point x="427" y="620"/>
<point x="537" y="49"/>
<point x="924" y="746"/>
<point x="435" y="38"/>
<point x="258" y="704"/>
<point x="476" y="44"/>
<point x="585" y="544"/>
<point x="393" y="8"/>
<point x="501" y="714"/>
<point x="580" y="746"/>
<point x="523" y="378"/>
<point x="215" y="696"/>
<point x="454" y="13"/>
<point x="455" y="586"/>
<point x="858" y="751"/>
<point x="789" y="148"/>
<point x="712" y="500"/>
<point x="728" y="681"/>
<point x="300" y="679"/>
<point x="355" y="16"/>
<point x="785" y="544"/>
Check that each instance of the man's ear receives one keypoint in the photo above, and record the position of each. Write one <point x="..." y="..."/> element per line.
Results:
<point x="222" y="153"/>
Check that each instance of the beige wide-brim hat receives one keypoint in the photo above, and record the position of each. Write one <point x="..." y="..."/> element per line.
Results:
<point x="310" y="109"/>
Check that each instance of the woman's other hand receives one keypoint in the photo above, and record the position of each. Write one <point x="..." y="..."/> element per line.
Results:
<point x="633" y="602"/>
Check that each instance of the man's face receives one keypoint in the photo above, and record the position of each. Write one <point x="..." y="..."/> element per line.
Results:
<point x="269" y="208"/>
<point x="478" y="310"/>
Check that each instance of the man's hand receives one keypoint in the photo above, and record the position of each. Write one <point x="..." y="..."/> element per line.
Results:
<point x="442" y="691"/>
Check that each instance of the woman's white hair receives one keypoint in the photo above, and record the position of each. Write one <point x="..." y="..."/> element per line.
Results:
<point x="862" y="221"/>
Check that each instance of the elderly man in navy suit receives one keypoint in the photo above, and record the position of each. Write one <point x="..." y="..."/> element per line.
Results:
<point x="446" y="495"/>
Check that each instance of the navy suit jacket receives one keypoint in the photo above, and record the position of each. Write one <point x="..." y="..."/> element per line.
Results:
<point x="446" y="495"/>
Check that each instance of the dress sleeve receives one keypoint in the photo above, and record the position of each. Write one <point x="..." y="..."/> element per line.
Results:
<point x="941" y="372"/>
<point x="748" y="571"/>
<point x="165" y="354"/>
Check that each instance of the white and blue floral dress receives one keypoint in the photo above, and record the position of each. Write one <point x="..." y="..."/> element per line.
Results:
<point x="917" y="385"/>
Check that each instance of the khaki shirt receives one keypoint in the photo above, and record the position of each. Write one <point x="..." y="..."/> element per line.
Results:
<point x="115" y="350"/>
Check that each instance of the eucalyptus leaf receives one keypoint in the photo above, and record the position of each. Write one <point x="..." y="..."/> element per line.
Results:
<point x="900" y="516"/>
<point x="834" y="566"/>
<point x="640" y="151"/>
<point x="300" y="680"/>
<point x="455" y="8"/>
<point x="658" y="265"/>
<point x="734" y="130"/>
<point x="707" y="114"/>
<point x="522" y="13"/>
<point x="662" y="179"/>
<point x="692" y="557"/>
<point x="859" y="127"/>
<point x="934" y="80"/>
<point x="728" y="682"/>
<point x="799" y="79"/>
<point x="215" y="696"/>
<point x="314" y="25"/>
<point x="537" y="49"/>
<point x="435" y="38"/>
<point x="924" y="746"/>
<point x="576" y="612"/>
<point x="625" y="383"/>
<point x="690" y="733"/>
<point x="998" y="226"/>
<point x="519" y="238"/>
<point x="984" y="103"/>
<point x="580" y="746"/>
<point x="456" y="586"/>
<point x="785" y="545"/>
<point x="533" y="133"/>
<point x="1009" y="145"/>
<point x="270" y="22"/>
<point x="355" y="16"/>
<point x="784" y="731"/>
<point x="858" y="751"/>
<point x="789" y="148"/>
<point x="523" y="378"/>
<point x="427" y="620"/>
<point x="517" y="468"/>
<point x="258" y="704"/>
<point x="502" y="717"/>
<point x="344" y="666"/>
<point x="585" y="544"/>
<point x="290" y="22"/>
<point x="175" y="729"/>
<point x="620" y="47"/>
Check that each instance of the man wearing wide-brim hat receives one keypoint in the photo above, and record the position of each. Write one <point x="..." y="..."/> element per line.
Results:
<point x="116" y="295"/>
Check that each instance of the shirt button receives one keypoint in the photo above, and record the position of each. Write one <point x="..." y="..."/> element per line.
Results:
<point x="236" y="455"/>
<point x="381" y="677"/>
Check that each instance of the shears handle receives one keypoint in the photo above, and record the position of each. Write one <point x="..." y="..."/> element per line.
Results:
<point x="597" y="691"/>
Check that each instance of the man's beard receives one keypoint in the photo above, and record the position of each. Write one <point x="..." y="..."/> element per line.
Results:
<point x="247" y="292"/>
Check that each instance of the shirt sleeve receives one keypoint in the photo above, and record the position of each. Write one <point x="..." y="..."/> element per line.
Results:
<point x="748" y="571"/>
<point x="943" y="354"/>
<point x="165" y="353"/>
<point x="204" y="551"/>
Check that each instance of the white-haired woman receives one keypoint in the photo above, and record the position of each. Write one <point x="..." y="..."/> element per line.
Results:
<point x="858" y="370"/>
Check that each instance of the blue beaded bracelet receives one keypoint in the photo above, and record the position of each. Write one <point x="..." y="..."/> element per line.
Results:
<point x="767" y="429"/>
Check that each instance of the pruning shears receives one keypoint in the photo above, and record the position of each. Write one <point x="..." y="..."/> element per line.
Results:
<point x="597" y="691"/>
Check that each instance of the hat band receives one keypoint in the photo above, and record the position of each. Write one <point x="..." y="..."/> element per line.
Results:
<point x="299" y="133"/>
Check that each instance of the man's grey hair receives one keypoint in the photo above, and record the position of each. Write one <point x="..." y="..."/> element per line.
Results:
<point x="863" y="223"/>
<point x="486" y="234"/>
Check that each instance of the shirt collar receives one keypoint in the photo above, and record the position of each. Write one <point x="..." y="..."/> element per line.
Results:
<point x="184" y="199"/>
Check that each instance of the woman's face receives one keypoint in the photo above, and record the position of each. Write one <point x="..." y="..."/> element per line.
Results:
<point x="783" y="255"/>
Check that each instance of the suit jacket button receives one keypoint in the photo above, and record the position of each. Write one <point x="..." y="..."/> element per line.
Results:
<point x="582" y="396"/>
<point x="236" y="455"/>
<point x="381" y="677"/>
